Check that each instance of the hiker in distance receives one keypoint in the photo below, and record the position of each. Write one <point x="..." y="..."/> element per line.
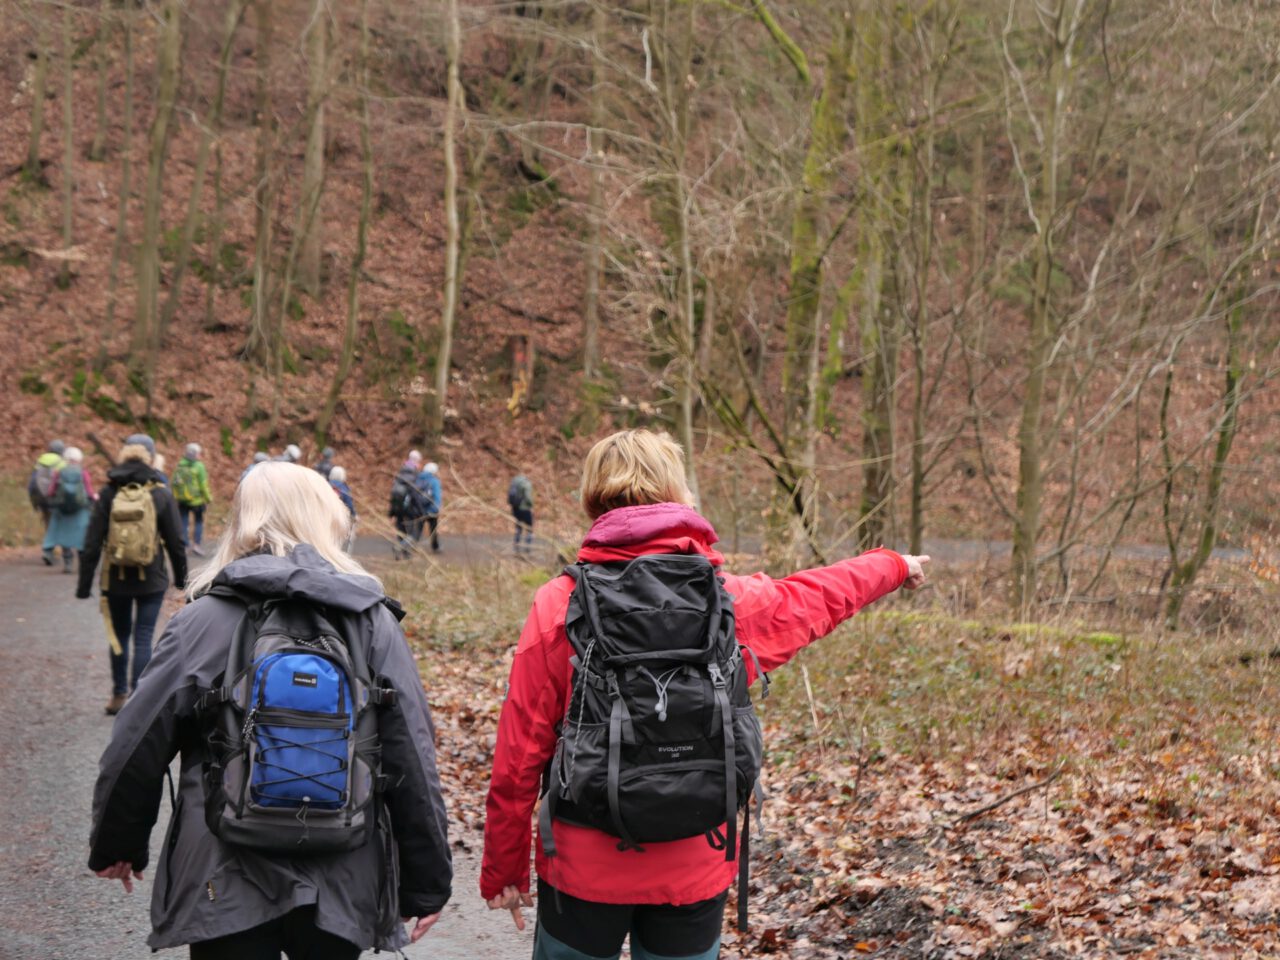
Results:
<point x="41" y="479"/>
<point x="647" y="739"/>
<point x="407" y="508"/>
<point x="134" y="515"/>
<point x="70" y="499"/>
<point x="191" y="490"/>
<point x="520" y="500"/>
<point x="428" y="484"/>
<point x="321" y="823"/>
<point x="324" y="465"/>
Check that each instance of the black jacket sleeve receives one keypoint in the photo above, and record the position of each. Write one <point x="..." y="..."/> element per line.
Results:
<point x="93" y="540"/>
<point x="413" y="798"/>
<point x="144" y="740"/>
<point x="170" y="527"/>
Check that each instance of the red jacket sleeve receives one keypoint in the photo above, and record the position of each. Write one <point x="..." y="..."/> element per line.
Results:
<point x="778" y="618"/>
<point x="535" y="703"/>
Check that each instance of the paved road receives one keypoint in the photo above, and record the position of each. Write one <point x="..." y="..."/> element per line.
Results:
<point x="54" y="680"/>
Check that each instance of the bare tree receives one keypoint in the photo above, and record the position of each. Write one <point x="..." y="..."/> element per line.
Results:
<point x="454" y="107"/>
<point x="146" y="330"/>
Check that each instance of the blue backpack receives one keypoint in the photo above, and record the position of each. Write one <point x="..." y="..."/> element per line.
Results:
<point x="292" y="726"/>
<point x="70" y="497"/>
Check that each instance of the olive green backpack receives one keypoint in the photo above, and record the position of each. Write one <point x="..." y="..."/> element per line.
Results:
<point x="132" y="533"/>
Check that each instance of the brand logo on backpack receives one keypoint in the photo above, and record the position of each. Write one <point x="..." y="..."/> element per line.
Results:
<point x="293" y="731"/>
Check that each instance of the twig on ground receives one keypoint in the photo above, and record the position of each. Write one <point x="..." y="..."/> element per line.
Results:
<point x="1001" y="801"/>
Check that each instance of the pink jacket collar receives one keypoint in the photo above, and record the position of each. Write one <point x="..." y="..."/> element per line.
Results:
<point x="650" y="528"/>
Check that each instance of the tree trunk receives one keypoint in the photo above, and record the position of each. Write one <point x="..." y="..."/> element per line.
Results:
<point x="595" y="199"/>
<point x="215" y="240"/>
<point x="793" y="526"/>
<point x="122" y="211"/>
<point x="1184" y="575"/>
<point x="211" y="129"/>
<point x="452" y="117"/>
<point x="31" y="168"/>
<point x="351" y="334"/>
<point x="261" y="336"/>
<point x="310" y="220"/>
<point x="68" y="147"/>
<point x="146" y="332"/>
<point x="98" y="148"/>
<point x="1026" y="529"/>
<point x="678" y="94"/>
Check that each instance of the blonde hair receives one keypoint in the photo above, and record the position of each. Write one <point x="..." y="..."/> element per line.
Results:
<point x="134" y="451"/>
<point x="277" y="506"/>
<point x="630" y="468"/>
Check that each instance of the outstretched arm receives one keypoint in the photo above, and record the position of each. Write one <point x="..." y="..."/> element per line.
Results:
<point x="777" y="618"/>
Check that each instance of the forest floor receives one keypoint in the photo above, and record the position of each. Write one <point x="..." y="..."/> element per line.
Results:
<point x="942" y="786"/>
<point x="944" y="783"/>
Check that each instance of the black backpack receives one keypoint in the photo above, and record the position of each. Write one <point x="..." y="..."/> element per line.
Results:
<point x="293" y="765"/>
<point x="660" y="740"/>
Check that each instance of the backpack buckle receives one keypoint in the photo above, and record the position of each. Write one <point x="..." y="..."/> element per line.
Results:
<point x="381" y="693"/>
<point x="717" y="677"/>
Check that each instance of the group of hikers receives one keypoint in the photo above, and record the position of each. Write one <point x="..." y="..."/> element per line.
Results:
<point x="309" y="816"/>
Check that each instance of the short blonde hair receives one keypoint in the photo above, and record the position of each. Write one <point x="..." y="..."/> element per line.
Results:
<point x="134" y="451"/>
<point x="277" y="506"/>
<point x="630" y="468"/>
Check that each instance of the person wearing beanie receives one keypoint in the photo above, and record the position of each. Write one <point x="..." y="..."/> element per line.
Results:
<point x="429" y="486"/>
<point x="133" y="582"/>
<point x="41" y="480"/>
<point x="191" y="490"/>
<point x="408" y="506"/>
<point x="325" y="463"/>
<point x="292" y="454"/>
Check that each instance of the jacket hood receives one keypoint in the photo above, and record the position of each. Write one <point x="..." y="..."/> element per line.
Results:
<point x="651" y="528"/>
<point x="301" y="575"/>
<point x="133" y="471"/>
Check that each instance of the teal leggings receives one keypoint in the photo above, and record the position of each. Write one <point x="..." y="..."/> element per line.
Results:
<point x="573" y="929"/>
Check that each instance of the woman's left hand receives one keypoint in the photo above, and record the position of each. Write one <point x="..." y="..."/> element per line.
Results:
<point x="121" y="871"/>
<point x="512" y="899"/>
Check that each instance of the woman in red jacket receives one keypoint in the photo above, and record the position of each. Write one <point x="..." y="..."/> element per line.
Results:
<point x="670" y="896"/>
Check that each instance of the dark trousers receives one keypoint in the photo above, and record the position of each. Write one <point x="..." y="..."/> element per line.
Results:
<point x="133" y="619"/>
<point x="295" y="935"/>
<point x="524" y="522"/>
<point x="573" y="929"/>
<point x="410" y="529"/>
<point x="186" y="510"/>
<point x="433" y="521"/>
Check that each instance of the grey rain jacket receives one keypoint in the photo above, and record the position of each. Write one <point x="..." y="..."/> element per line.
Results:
<point x="204" y="888"/>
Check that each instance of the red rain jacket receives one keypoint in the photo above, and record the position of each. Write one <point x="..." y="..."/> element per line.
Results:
<point x="776" y="618"/>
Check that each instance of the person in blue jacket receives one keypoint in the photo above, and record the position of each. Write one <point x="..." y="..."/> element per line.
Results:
<point x="338" y="480"/>
<point x="429" y="486"/>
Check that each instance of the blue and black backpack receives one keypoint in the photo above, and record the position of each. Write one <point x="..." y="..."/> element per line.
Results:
<point x="293" y="765"/>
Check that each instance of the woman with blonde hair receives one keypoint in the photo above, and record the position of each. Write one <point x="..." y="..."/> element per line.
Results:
<point x="228" y="896"/>
<point x="133" y="581"/>
<point x="649" y="588"/>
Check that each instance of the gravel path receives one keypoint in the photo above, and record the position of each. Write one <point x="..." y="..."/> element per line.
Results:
<point x="54" y="666"/>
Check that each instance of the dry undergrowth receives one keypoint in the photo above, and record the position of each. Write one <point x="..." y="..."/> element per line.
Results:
<point x="946" y="785"/>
